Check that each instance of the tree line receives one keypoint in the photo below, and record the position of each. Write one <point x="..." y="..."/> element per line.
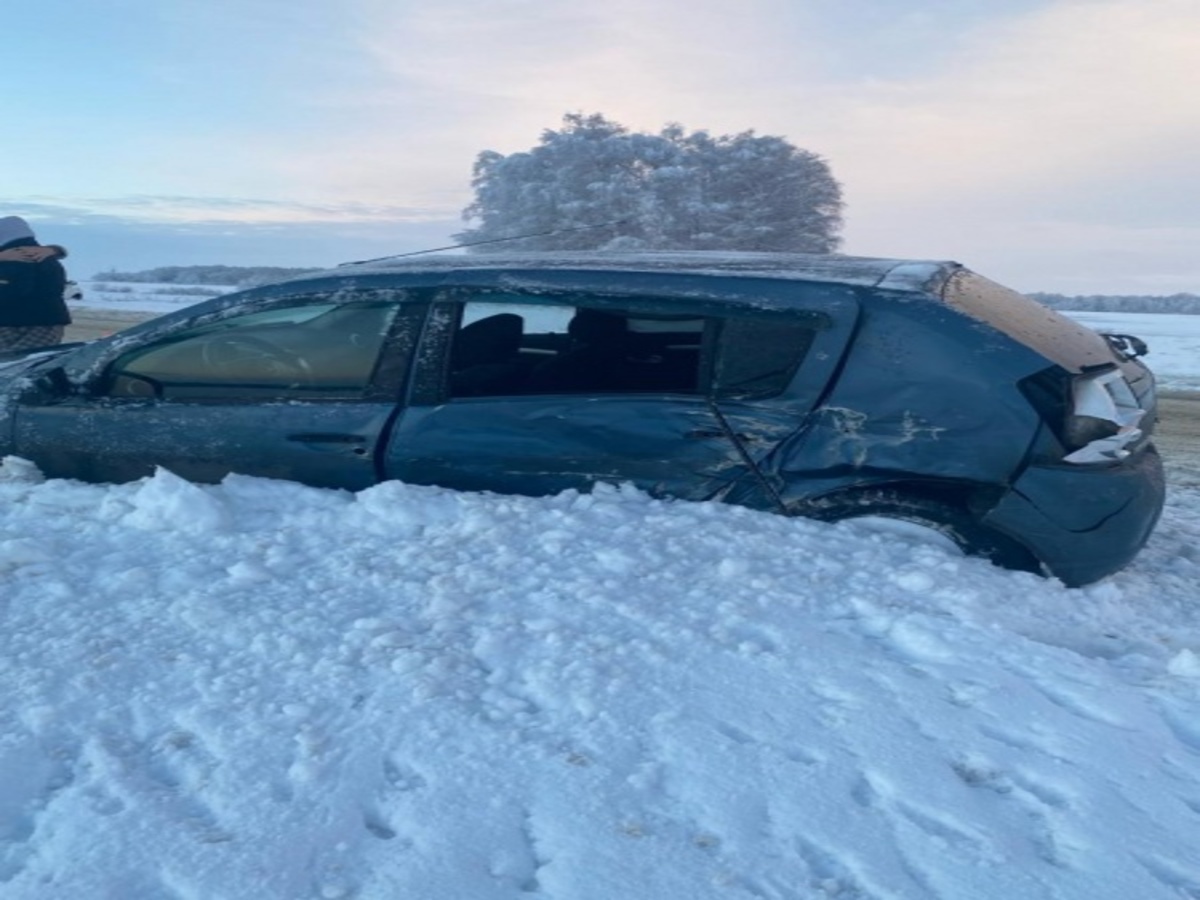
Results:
<point x="234" y="276"/>
<point x="1185" y="304"/>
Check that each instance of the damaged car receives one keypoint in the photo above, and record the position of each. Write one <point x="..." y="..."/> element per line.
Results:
<point x="823" y="386"/>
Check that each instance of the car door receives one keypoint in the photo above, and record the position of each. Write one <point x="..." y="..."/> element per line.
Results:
<point x="701" y="398"/>
<point x="304" y="391"/>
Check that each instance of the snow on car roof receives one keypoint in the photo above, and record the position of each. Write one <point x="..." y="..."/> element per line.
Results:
<point x="894" y="274"/>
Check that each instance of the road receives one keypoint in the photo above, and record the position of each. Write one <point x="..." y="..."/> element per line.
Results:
<point x="1178" y="432"/>
<point x="89" y="324"/>
<point x="1178" y="436"/>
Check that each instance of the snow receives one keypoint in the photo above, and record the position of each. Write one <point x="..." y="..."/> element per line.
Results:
<point x="139" y="298"/>
<point x="1174" y="342"/>
<point x="894" y="274"/>
<point x="263" y="690"/>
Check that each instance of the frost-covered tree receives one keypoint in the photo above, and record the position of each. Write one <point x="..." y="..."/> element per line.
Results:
<point x="593" y="184"/>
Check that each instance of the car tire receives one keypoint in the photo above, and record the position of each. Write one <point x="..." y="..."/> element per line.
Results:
<point x="947" y="518"/>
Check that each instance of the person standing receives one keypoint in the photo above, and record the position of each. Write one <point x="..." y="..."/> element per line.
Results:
<point x="33" y="312"/>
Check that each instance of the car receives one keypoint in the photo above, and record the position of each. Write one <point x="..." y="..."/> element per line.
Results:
<point x="828" y="386"/>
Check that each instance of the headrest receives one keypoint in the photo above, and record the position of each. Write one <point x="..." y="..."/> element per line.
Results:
<point x="591" y="326"/>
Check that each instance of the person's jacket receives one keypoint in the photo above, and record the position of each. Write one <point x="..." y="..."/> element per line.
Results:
<point x="31" y="294"/>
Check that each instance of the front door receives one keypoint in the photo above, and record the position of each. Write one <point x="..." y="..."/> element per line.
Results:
<point x="304" y="392"/>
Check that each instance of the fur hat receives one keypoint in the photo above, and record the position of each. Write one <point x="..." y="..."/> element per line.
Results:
<point x="14" y="228"/>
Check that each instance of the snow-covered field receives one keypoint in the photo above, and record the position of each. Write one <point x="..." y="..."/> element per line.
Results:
<point x="136" y="297"/>
<point x="261" y="691"/>
<point x="1174" y="342"/>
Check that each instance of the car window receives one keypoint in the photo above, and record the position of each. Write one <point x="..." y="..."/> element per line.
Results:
<point x="310" y="351"/>
<point x="514" y="348"/>
<point x="549" y="348"/>
<point x="759" y="356"/>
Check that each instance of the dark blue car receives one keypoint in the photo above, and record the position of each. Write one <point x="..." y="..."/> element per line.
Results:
<point x="822" y="386"/>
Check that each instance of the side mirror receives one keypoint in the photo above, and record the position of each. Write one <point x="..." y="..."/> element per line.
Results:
<point x="50" y="385"/>
<point x="57" y="379"/>
<point x="1127" y="345"/>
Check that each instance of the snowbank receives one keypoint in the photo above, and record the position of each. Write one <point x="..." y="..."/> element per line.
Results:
<point x="262" y="690"/>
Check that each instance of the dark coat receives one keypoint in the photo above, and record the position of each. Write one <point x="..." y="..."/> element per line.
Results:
<point x="31" y="294"/>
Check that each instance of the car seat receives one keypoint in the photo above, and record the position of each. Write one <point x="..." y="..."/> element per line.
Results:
<point x="483" y="359"/>
<point x="593" y="361"/>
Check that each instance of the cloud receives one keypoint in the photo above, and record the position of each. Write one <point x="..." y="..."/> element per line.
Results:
<point x="173" y="210"/>
<point x="1069" y="92"/>
<point x="517" y="65"/>
<point x="980" y="103"/>
<point x="453" y="80"/>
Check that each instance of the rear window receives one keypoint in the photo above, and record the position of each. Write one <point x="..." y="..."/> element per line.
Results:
<point x="1054" y="336"/>
<point x="520" y="347"/>
<point x="759" y="356"/>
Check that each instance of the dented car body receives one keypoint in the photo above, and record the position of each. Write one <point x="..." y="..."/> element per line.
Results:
<point x="823" y="386"/>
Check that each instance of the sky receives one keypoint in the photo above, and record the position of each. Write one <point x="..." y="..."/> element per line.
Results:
<point x="1049" y="144"/>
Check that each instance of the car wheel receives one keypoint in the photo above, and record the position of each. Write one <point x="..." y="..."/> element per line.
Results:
<point x="931" y="518"/>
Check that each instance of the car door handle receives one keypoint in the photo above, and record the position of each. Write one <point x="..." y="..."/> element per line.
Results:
<point x="321" y="437"/>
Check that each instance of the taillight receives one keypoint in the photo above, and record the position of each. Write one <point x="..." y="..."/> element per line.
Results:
<point x="1102" y="420"/>
<point x="1079" y="431"/>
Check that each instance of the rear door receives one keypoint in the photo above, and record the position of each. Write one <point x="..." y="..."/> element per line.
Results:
<point x="694" y="398"/>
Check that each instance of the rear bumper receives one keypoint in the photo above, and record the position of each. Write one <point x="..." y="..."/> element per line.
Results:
<point x="1084" y="522"/>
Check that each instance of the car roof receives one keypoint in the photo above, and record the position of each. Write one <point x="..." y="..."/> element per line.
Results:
<point x="921" y="276"/>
